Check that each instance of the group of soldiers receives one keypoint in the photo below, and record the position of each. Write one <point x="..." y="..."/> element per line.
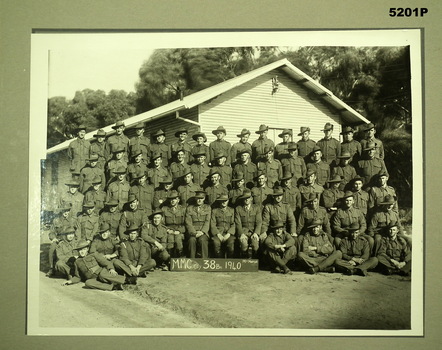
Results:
<point x="132" y="204"/>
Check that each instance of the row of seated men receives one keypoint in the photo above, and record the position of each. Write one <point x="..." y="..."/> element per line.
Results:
<point x="108" y="265"/>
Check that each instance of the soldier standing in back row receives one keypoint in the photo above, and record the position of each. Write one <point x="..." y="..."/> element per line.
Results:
<point x="246" y="167"/>
<point x="294" y="164"/>
<point x="350" y="145"/>
<point x="330" y="147"/>
<point x="98" y="148"/>
<point x="220" y="145"/>
<point x="270" y="166"/>
<point x="160" y="147"/>
<point x="370" y="131"/>
<point x="261" y="144"/>
<point x="321" y="168"/>
<point x="181" y="144"/>
<point x="242" y="145"/>
<point x="117" y="141"/>
<point x="281" y="149"/>
<point x="140" y="142"/>
<point x="79" y="149"/>
<point x="370" y="165"/>
<point x="72" y="198"/>
<point x="305" y="144"/>
<point x="200" y="147"/>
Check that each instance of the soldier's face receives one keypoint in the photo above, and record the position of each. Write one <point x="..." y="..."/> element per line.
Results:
<point x="245" y="157"/>
<point x="174" y="201"/>
<point x="314" y="203"/>
<point x="161" y="138"/>
<point x="214" y="178"/>
<point x="240" y="183"/>
<point x="278" y="198"/>
<point x="89" y="211"/>
<point x="336" y="185"/>
<point x="83" y="251"/>
<point x="113" y="208"/>
<point x="134" y="204"/>
<point x="248" y="201"/>
<point x="133" y="235"/>
<point x="220" y="135"/>
<point x="222" y="160"/>
<point x="316" y="156"/>
<point x="390" y="207"/>
<point x="100" y="139"/>
<point x="105" y="234"/>
<point x="65" y="214"/>
<point x="349" y="201"/>
<point x="157" y="161"/>
<point x="188" y="178"/>
<point x="262" y="180"/>
<point x="383" y="180"/>
<point x="263" y="134"/>
<point x="73" y="189"/>
<point x="138" y="158"/>
<point x="286" y="183"/>
<point x="97" y="187"/>
<point x="157" y="219"/>
<point x="279" y="231"/>
<point x="199" y="201"/>
<point x="119" y="130"/>
<point x="200" y="159"/>
<point x="316" y="230"/>
<point x="140" y="132"/>
<point x="224" y="204"/>
<point x="244" y="138"/>
<point x="392" y="232"/>
<point x="293" y="153"/>
<point x="81" y="134"/>
<point x="327" y="133"/>
<point x="370" y="133"/>
<point x="354" y="234"/>
<point x="200" y="140"/>
<point x="311" y="179"/>
<point x="142" y="180"/>
<point x="70" y="237"/>
<point x="305" y="135"/>
<point x="269" y="155"/>
<point x="119" y="155"/>
<point x="182" y="136"/>
<point x="168" y="186"/>
<point x="345" y="161"/>
<point x="121" y="177"/>
<point x="285" y="138"/>
<point x="371" y="153"/>
<point x="357" y="185"/>
<point x="93" y="163"/>
<point x="348" y="136"/>
<point x="180" y="156"/>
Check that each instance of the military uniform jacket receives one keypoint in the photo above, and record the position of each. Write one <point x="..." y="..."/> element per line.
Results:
<point x="163" y="149"/>
<point x="239" y="147"/>
<point x="155" y="234"/>
<point x="185" y="146"/>
<point x="134" y="252"/>
<point x="358" y="248"/>
<point x="186" y="192"/>
<point x="226" y="173"/>
<point x="347" y="173"/>
<point x="174" y="219"/>
<point x="396" y="249"/>
<point x="116" y="142"/>
<point x="273" y="170"/>
<point x="159" y="197"/>
<point x="90" y="266"/>
<point x="296" y="166"/>
<point x="308" y="215"/>
<point x="272" y="240"/>
<point x="345" y="217"/>
<point x="78" y="153"/>
<point x="367" y="168"/>
<point x="321" y="242"/>
<point x="130" y="217"/>
<point x="177" y="170"/>
<point x="331" y="149"/>
<point x="307" y="189"/>
<point x="361" y="201"/>
<point x="88" y="174"/>
<point x="88" y="226"/>
<point x="248" y="220"/>
<point x="200" y="173"/>
<point x="261" y="195"/>
<point x="142" y="143"/>
<point x="60" y="223"/>
<point x="322" y="171"/>
<point x="381" y="219"/>
<point x="330" y="197"/>
<point x="113" y="219"/>
<point x="119" y="191"/>
<point x="379" y="193"/>
<point x="97" y="197"/>
<point x="249" y="170"/>
<point x="220" y="146"/>
<point x="112" y="165"/>
<point x="134" y="168"/>
<point x="353" y="147"/>
<point x="98" y="149"/>
<point x="379" y="146"/>
<point x="259" y="146"/>
<point x="292" y="197"/>
<point x="213" y="192"/>
<point x="75" y="201"/>
<point x="65" y="250"/>
<point x="222" y="221"/>
<point x="198" y="219"/>
<point x="106" y="246"/>
<point x="201" y="149"/>
<point x="155" y="175"/>
<point x="278" y="212"/>
<point x="305" y="147"/>
<point x="144" y="194"/>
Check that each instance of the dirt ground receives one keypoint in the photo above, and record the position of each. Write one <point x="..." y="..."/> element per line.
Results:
<point x="232" y="300"/>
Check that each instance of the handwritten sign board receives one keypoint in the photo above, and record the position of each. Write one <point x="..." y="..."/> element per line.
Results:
<point x="213" y="265"/>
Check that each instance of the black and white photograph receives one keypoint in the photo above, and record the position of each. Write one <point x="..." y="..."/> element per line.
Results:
<point x="239" y="183"/>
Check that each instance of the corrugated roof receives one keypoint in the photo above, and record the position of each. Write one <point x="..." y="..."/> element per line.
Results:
<point x="349" y="115"/>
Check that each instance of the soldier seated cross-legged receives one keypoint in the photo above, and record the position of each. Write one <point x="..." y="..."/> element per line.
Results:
<point x="279" y="249"/>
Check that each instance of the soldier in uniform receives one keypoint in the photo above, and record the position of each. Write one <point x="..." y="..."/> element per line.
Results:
<point x="345" y="217"/>
<point x="281" y="149"/>
<point x="222" y="228"/>
<point x="132" y="216"/>
<point x="262" y="143"/>
<point x="292" y="196"/>
<point x="278" y="211"/>
<point x="215" y="188"/>
<point x="370" y="131"/>
<point x="245" y="166"/>
<point x="97" y="148"/>
<point x="248" y="222"/>
<point x="242" y="145"/>
<point x="115" y="163"/>
<point x="380" y="191"/>
<point x="310" y="212"/>
<point x="117" y="141"/>
<point x="359" y="195"/>
<point x="280" y="248"/>
<point x="321" y="168"/>
<point x="89" y="173"/>
<point x="161" y="193"/>
<point x="143" y="192"/>
<point x="197" y="220"/>
<point x="394" y="254"/>
<point x="331" y="196"/>
<point x="293" y="163"/>
<point x="349" y="145"/>
<point x="88" y="222"/>
<point x="237" y="189"/>
<point x="179" y="166"/>
<point x="111" y="215"/>
<point x="72" y="198"/>
<point x="96" y="195"/>
<point x="310" y="186"/>
<point x="137" y="166"/>
<point x="158" y="239"/>
<point x="181" y="144"/>
<point x="199" y="168"/>
<point x="370" y="165"/>
<point x="119" y="189"/>
<point x="134" y="255"/>
<point x="220" y="145"/>
<point x="355" y="253"/>
<point x="225" y="171"/>
<point x="188" y="189"/>
<point x="96" y="271"/>
<point x="159" y="147"/>
<point x="330" y="147"/>
<point x="104" y="244"/>
<point x="200" y="147"/>
<point x="140" y="142"/>
<point x="317" y="252"/>
<point x="346" y="171"/>
<point x="79" y="149"/>
<point x="66" y="253"/>
<point x="174" y="219"/>
<point x="261" y="192"/>
<point x="157" y="172"/>
<point x="305" y="144"/>
<point x="270" y="166"/>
